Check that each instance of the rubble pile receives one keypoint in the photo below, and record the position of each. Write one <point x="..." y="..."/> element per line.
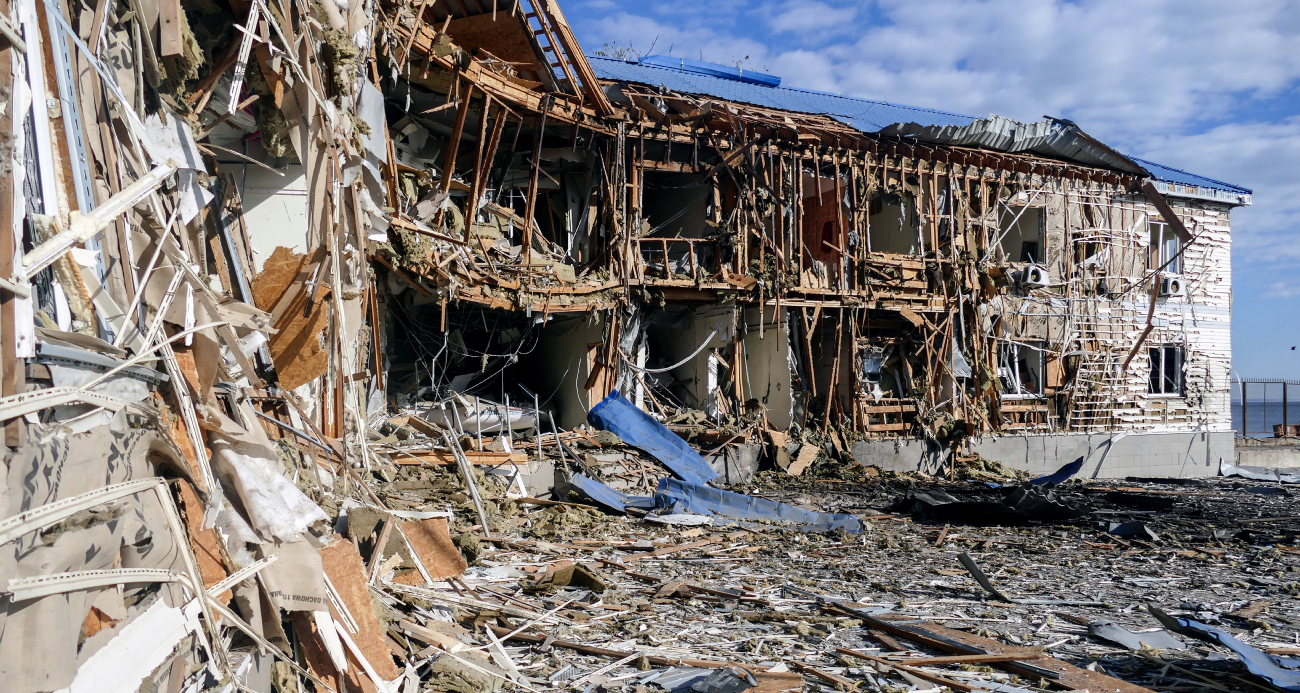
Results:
<point x="392" y="347"/>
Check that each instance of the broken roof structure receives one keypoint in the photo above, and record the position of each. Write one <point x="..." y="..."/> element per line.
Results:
<point x="275" y="268"/>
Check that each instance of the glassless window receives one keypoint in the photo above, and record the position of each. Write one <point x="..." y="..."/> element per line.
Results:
<point x="1164" y="248"/>
<point x="1166" y="370"/>
<point x="1020" y="369"/>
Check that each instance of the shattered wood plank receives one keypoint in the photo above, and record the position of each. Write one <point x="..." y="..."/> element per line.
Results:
<point x="342" y="565"/>
<point x="319" y="661"/>
<point x="833" y="679"/>
<point x="968" y="659"/>
<point x="883" y="639"/>
<point x="1166" y="212"/>
<point x="673" y="549"/>
<point x="443" y="458"/>
<point x="807" y="455"/>
<point x="590" y="84"/>
<point x="777" y="682"/>
<point x="947" y="639"/>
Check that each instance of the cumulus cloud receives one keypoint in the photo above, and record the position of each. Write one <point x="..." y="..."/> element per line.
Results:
<point x="804" y="16"/>
<point x="1258" y="155"/>
<point x="1282" y="290"/>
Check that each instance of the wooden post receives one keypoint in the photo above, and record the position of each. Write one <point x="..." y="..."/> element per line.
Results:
<point x="539" y="133"/>
<point x="484" y="167"/>
<point x="172" y="43"/>
<point x="449" y="163"/>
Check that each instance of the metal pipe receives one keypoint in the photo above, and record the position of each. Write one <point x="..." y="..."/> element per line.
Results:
<point x="1244" y="427"/>
<point x="558" y="444"/>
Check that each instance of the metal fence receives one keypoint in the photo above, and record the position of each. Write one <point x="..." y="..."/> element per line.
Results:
<point x="1262" y="407"/>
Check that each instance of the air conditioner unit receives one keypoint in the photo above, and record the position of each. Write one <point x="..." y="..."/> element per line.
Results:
<point x="1035" y="276"/>
<point x="1172" y="286"/>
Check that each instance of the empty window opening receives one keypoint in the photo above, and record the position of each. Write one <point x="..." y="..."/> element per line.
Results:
<point x="1022" y="240"/>
<point x="1166" y="376"/>
<point x="1020" y="369"/>
<point x="893" y="226"/>
<point x="1165" y="245"/>
<point x="824" y="219"/>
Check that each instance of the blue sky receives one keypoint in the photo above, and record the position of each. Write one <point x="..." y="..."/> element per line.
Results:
<point x="1208" y="87"/>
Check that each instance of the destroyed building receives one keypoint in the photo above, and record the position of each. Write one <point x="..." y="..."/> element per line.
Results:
<point x="257" y="246"/>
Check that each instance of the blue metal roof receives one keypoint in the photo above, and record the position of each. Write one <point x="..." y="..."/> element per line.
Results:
<point x="1173" y="175"/>
<point x="863" y="114"/>
<point x="867" y="116"/>
<point x="711" y="69"/>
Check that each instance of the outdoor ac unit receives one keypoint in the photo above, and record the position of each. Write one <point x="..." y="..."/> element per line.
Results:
<point x="1172" y="286"/>
<point x="1035" y="276"/>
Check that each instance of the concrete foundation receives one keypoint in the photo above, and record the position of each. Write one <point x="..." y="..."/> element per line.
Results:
<point x="1269" y="454"/>
<point x="1169" y="455"/>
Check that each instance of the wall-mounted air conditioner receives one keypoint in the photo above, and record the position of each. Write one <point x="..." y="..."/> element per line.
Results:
<point x="1172" y="285"/>
<point x="1035" y="277"/>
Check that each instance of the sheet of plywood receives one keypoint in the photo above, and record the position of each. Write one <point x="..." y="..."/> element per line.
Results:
<point x="299" y="354"/>
<point x="319" y="662"/>
<point x="432" y="543"/>
<point x="343" y="566"/>
<point x="506" y="38"/>
<point x="204" y="542"/>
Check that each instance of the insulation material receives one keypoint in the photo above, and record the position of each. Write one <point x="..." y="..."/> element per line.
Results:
<point x="277" y="509"/>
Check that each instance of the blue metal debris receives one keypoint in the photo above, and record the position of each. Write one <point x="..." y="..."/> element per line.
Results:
<point x="601" y="493"/>
<point x="706" y="500"/>
<point x="622" y="418"/>
<point x="1276" y="670"/>
<point x="1173" y="175"/>
<point x="682" y="497"/>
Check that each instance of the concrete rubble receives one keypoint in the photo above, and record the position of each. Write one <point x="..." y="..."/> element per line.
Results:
<point x="402" y="346"/>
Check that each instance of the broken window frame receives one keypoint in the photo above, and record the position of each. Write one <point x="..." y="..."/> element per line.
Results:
<point x="1166" y="377"/>
<point x="1011" y="384"/>
<point x="1164" y="248"/>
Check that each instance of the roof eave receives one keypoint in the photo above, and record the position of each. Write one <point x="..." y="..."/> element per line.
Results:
<point x="1199" y="192"/>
